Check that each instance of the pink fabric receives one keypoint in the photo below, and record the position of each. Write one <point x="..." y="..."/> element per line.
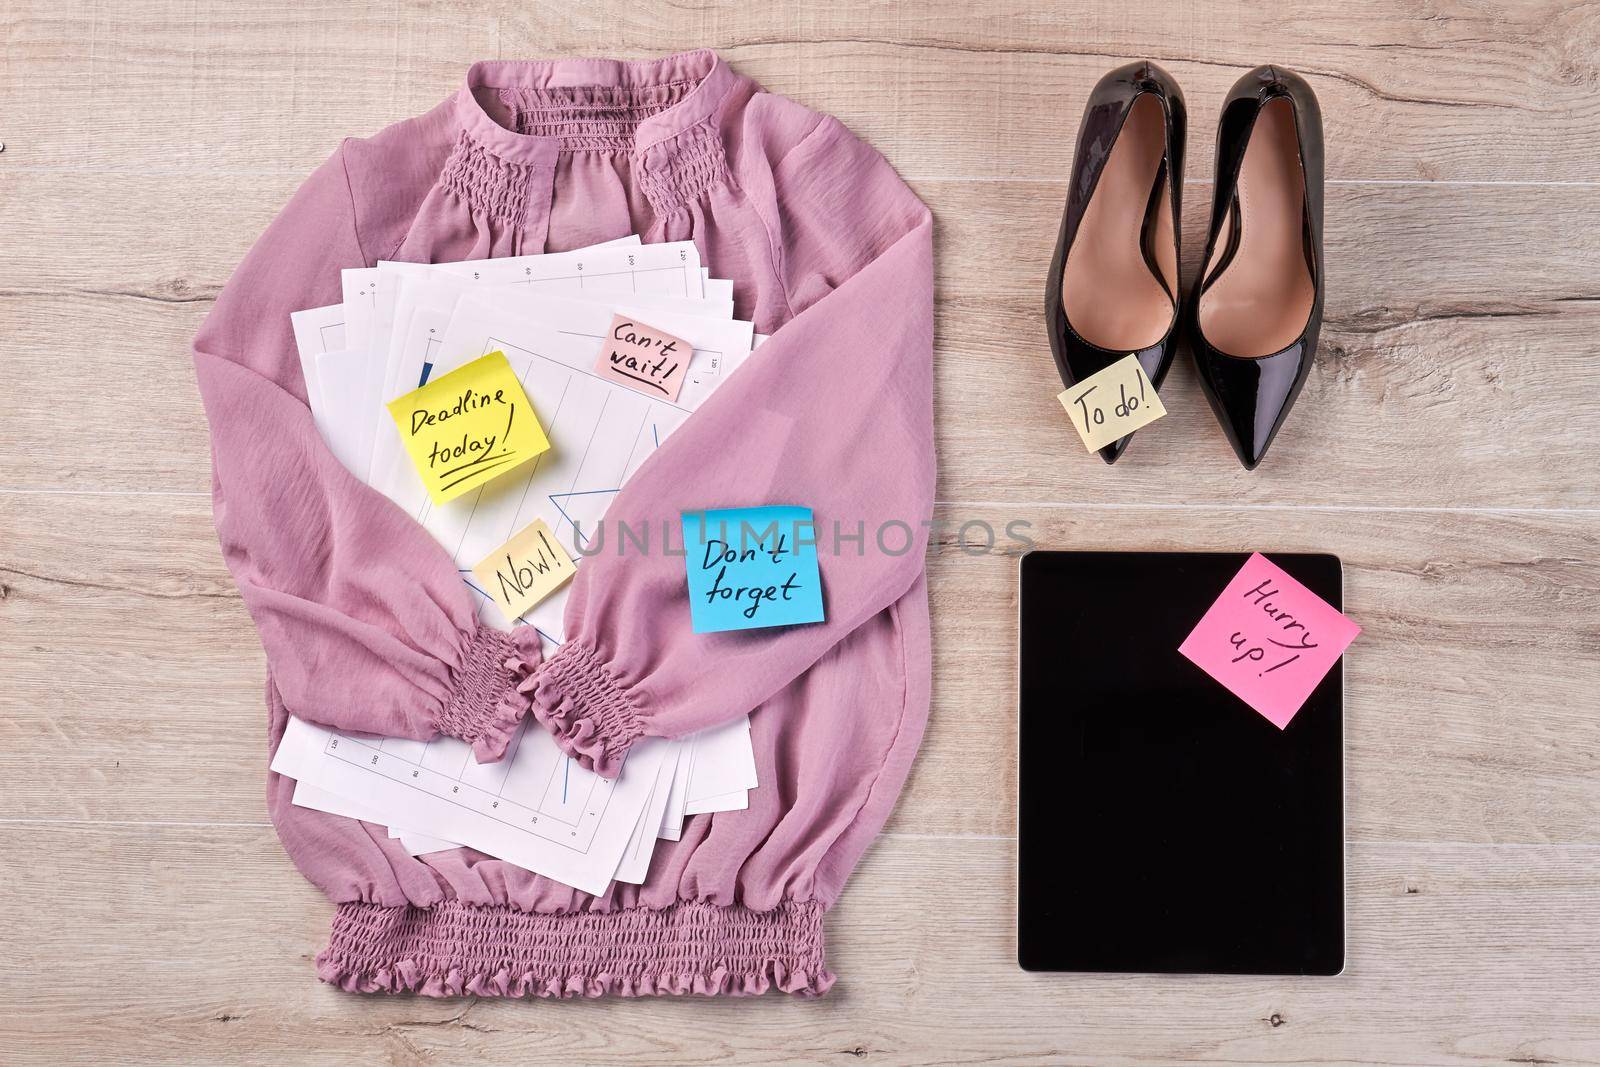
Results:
<point x="453" y="949"/>
<point x="368" y="627"/>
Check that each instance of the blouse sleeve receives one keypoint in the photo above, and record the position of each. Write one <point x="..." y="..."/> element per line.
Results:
<point x="834" y="412"/>
<point x="366" y="623"/>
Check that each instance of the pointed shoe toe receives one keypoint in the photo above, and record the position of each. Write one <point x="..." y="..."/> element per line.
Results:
<point x="1113" y="452"/>
<point x="1251" y="398"/>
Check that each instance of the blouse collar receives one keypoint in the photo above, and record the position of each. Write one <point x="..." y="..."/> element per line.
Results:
<point x="612" y="79"/>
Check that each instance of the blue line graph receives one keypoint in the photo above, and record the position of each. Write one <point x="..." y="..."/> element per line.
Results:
<point x="557" y="498"/>
<point x="472" y="585"/>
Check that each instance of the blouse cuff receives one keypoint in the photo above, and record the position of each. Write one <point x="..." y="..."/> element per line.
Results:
<point x="488" y="701"/>
<point x="592" y="717"/>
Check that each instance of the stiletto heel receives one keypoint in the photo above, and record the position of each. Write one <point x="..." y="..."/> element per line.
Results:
<point x="1113" y="282"/>
<point x="1255" y="317"/>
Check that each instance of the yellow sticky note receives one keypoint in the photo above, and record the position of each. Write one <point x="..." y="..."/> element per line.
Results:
<point x="468" y="427"/>
<point x="1112" y="403"/>
<point x="525" y="569"/>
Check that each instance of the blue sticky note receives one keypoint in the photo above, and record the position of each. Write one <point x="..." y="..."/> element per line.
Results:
<point x="751" y="567"/>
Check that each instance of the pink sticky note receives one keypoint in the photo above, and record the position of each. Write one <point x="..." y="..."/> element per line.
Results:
<point x="644" y="358"/>
<point x="1269" y="640"/>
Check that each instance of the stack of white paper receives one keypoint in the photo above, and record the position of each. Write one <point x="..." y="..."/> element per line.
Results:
<point x="401" y="324"/>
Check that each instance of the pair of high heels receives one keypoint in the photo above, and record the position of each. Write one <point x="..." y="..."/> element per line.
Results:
<point x="1253" y="317"/>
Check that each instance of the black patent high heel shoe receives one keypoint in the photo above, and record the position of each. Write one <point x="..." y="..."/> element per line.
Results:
<point x="1113" y="283"/>
<point x="1254" y="318"/>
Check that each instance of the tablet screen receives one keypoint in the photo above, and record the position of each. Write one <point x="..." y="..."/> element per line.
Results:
<point x="1164" y="826"/>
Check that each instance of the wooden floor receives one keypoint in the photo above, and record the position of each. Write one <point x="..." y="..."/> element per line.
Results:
<point x="1447" y="446"/>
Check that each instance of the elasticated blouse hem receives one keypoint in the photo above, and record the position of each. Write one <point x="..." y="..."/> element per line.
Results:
<point x="592" y="717"/>
<point x="456" y="949"/>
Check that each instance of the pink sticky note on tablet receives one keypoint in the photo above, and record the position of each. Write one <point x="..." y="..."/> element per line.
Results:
<point x="1269" y="640"/>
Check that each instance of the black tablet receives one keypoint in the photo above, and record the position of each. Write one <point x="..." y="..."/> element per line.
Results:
<point x="1164" y="825"/>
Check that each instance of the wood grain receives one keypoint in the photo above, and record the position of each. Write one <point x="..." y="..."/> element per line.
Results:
<point x="1420" y="90"/>
<point x="1446" y="448"/>
<point x="1457" y="954"/>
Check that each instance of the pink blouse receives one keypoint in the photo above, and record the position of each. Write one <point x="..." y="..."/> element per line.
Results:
<point x="368" y="626"/>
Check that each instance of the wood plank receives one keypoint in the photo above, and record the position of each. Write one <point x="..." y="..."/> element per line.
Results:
<point x="135" y="682"/>
<point x="1423" y="92"/>
<point x="1409" y="91"/>
<point x="1421" y="394"/>
<point x="1457" y="954"/>
<point x="1433" y="412"/>
<point x="171" y="88"/>
<point x="1509" y="249"/>
<point x="1420" y="397"/>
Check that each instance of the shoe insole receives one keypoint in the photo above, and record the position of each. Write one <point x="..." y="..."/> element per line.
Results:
<point x="1261" y="301"/>
<point x="1109" y="293"/>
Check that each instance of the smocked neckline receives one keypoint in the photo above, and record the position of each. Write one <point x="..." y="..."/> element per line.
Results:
<point x="619" y="104"/>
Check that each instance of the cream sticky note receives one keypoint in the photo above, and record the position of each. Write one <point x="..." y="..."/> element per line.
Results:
<point x="644" y="358"/>
<point x="468" y="427"/>
<point x="525" y="570"/>
<point x="1269" y="639"/>
<point x="1112" y="403"/>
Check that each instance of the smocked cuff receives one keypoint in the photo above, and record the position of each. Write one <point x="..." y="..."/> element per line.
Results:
<point x="488" y="701"/>
<point x="592" y="717"/>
